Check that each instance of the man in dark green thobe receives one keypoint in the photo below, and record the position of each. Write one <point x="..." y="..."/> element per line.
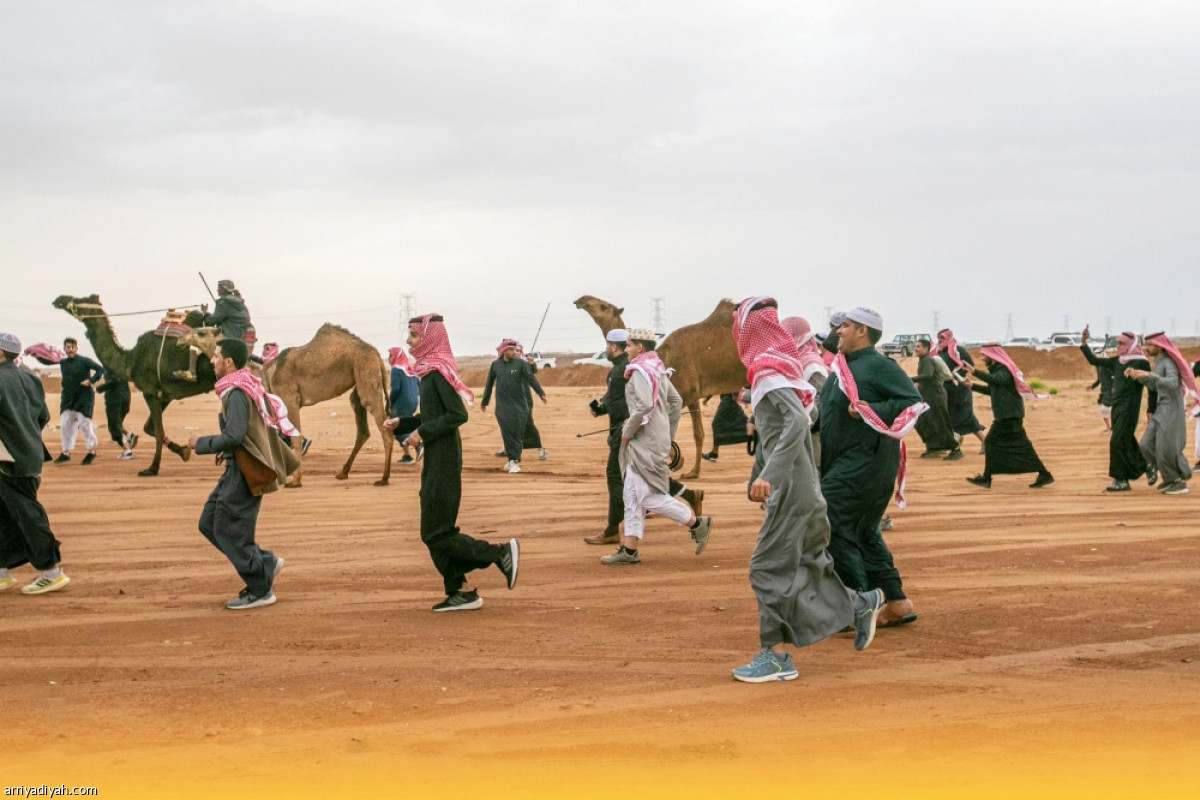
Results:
<point x="934" y="425"/>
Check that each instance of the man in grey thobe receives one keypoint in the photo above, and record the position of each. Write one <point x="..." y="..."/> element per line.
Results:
<point x="801" y="600"/>
<point x="1166" y="434"/>
<point x="645" y="444"/>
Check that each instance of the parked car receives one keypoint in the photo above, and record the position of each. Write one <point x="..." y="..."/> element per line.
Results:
<point x="1031" y="342"/>
<point x="542" y="362"/>
<point x="903" y="344"/>
<point x="1068" y="339"/>
<point x="600" y="359"/>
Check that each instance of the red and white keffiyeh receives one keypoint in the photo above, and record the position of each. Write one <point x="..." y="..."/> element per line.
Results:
<point x="650" y="365"/>
<point x="433" y="354"/>
<point x="997" y="353"/>
<point x="270" y="352"/>
<point x="1128" y="348"/>
<point x="1185" y="369"/>
<point x="507" y="343"/>
<point x="45" y="353"/>
<point x="905" y="421"/>
<point x="270" y="407"/>
<point x="399" y="360"/>
<point x="769" y="352"/>
<point x="947" y="343"/>
<point x="811" y="354"/>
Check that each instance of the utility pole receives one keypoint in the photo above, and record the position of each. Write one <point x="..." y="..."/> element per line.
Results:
<point x="658" y="316"/>
<point x="408" y="306"/>
<point x="936" y="326"/>
<point x="828" y="315"/>
<point x="1008" y="328"/>
<point x="1066" y="322"/>
<point x="1107" y="326"/>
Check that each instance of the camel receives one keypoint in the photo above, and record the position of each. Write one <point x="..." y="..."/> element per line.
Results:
<point x="333" y="363"/>
<point x="205" y="340"/>
<point x="703" y="355"/>
<point x="151" y="365"/>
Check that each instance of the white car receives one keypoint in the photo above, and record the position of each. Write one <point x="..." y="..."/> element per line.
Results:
<point x="600" y="359"/>
<point x="1061" y="339"/>
<point x="542" y="362"/>
<point x="1031" y="342"/>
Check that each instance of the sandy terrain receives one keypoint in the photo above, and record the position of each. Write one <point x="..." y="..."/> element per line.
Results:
<point x="1057" y="652"/>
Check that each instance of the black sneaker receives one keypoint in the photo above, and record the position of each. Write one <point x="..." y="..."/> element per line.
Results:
<point x="89" y="458"/>
<point x="709" y="456"/>
<point x="1045" y="479"/>
<point x="62" y="458"/>
<point x="460" y="601"/>
<point x="406" y="459"/>
<point x="981" y="480"/>
<point x="955" y="455"/>
<point x="1119" y="486"/>
<point x="509" y="561"/>
<point x="1151" y="475"/>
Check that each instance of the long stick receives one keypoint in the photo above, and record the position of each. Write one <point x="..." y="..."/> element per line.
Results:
<point x="206" y="286"/>
<point x="533" y="347"/>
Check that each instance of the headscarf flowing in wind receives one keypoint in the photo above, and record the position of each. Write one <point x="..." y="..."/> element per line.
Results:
<point x="769" y="352"/>
<point x="270" y="407"/>
<point x="1185" y="369"/>
<point x="811" y="358"/>
<point x="947" y="343"/>
<point x="997" y="353"/>
<point x="433" y="354"/>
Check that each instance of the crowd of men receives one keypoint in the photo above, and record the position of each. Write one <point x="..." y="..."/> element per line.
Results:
<point x="829" y="414"/>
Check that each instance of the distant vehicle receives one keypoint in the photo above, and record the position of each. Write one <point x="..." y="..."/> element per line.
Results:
<point x="1024" y="341"/>
<point x="600" y="359"/>
<point x="1067" y="339"/>
<point x="903" y="344"/>
<point x="542" y="362"/>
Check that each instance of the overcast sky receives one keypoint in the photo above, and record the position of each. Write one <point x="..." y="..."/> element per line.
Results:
<point x="970" y="158"/>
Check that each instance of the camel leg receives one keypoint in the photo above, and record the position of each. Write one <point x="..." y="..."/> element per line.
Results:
<point x="361" y="433"/>
<point x="294" y="480"/>
<point x="698" y="432"/>
<point x="380" y="414"/>
<point x="153" y="427"/>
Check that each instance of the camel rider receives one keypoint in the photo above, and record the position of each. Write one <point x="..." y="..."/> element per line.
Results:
<point x="230" y="316"/>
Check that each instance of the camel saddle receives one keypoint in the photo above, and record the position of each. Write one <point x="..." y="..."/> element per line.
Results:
<point x="172" y="325"/>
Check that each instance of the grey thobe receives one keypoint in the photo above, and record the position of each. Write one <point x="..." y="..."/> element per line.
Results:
<point x="650" y="444"/>
<point x="1166" y="434"/>
<point x="801" y="600"/>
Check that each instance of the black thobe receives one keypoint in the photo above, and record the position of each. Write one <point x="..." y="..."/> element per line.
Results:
<point x="512" y="381"/>
<point x="76" y="396"/>
<point x="1125" y="459"/>
<point x="454" y="553"/>
<point x="959" y="400"/>
<point x="729" y="422"/>
<point x="858" y="470"/>
<point x="1008" y="450"/>
<point x="934" y="425"/>
<point x="25" y="535"/>
<point x="230" y="515"/>
<point x="116" y="406"/>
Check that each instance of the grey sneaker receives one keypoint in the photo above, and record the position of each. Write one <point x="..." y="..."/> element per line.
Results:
<point x="1119" y="486"/>
<point x="501" y="454"/>
<point x="509" y="561"/>
<point x="622" y="556"/>
<point x="246" y="599"/>
<point x="866" y="614"/>
<point x="126" y="456"/>
<point x="1176" y="487"/>
<point x="700" y="533"/>
<point x="276" y="569"/>
<point x="1151" y="475"/>
<point x="766" y="666"/>
<point x="886" y="524"/>
<point x="460" y="601"/>
<point x="542" y="454"/>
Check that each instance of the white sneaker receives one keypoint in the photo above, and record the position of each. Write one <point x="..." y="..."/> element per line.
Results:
<point x="542" y="454"/>
<point x="513" y="467"/>
<point x="126" y="456"/>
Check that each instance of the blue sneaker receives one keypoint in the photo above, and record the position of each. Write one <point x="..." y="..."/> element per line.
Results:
<point x="766" y="666"/>
<point x="866" y="614"/>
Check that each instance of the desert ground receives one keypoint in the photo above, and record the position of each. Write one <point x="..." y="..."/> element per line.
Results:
<point x="1057" y="651"/>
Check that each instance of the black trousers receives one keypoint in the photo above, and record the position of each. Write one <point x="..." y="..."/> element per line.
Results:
<point x="228" y="520"/>
<point x="860" y="556"/>
<point x="454" y="553"/>
<point x="25" y="536"/>
<point x="616" y="486"/>
<point x="116" y="412"/>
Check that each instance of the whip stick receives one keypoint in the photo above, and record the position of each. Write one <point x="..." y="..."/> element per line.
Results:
<point x="206" y="286"/>
<point x="533" y="347"/>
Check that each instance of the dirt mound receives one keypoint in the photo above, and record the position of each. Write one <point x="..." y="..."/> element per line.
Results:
<point x="1063" y="364"/>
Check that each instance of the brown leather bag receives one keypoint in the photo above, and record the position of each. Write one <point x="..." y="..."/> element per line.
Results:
<point x="259" y="477"/>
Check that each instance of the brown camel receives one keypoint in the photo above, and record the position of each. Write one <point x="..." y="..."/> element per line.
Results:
<point x="704" y="357"/>
<point x="333" y="363"/>
<point x="151" y="365"/>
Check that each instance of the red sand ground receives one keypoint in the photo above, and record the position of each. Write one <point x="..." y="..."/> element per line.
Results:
<point x="1056" y="653"/>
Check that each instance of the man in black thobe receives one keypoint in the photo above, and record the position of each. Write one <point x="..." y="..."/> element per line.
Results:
<point x="1125" y="459"/>
<point x="934" y="425"/>
<point x="1008" y="449"/>
<point x="512" y="378"/>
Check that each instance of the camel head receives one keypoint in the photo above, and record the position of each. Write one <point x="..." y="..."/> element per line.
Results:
<point x="203" y="339"/>
<point x="606" y="315"/>
<point x="76" y="305"/>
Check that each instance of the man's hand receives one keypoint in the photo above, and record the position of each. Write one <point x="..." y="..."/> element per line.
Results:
<point x="760" y="490"/>
<point x="854" y="413"/>
<point x="1136" y="374"/>
<point x="391" y="424"/>
<point x="414" y="439"/>
<point x="1087" y="334"/>
<point x="192" y="441"/>
<point x="750" y="428"/>
<point x="85" y="382"/>
<point x="545" y="399"/>
<point x="483" y="409"/>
